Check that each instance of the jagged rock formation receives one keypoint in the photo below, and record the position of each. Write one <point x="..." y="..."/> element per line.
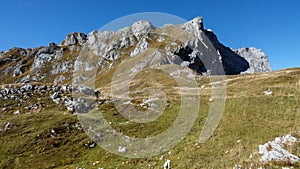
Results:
<point x="232" y="63"/>
<point x="75" y="38"/>
<point x="189" y="44"/>
<point x="257" y="59"/>
<point x="140" y="28"/>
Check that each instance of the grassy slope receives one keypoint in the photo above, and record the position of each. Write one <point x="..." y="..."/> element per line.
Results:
<point x="249" y="116"/>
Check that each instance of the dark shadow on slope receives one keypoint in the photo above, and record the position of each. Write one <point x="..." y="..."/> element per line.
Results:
<point x="195" y="63"/>
<point x="232" y="62"/>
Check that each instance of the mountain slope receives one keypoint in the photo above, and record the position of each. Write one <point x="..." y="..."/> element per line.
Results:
<point x="39" y="111"/>
<point x="48" y="136"/>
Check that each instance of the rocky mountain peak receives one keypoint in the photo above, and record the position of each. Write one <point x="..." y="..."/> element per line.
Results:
<point x="140" y="28"/>
<point x="194" y="25"/>
<point x="75" y="38"/>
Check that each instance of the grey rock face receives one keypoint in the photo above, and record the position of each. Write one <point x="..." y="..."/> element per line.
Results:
<point x="141" y="47"/>
<point x="108" y="44"/>
<point x="257" y="59"/>
<point x="194" y="25"/>
<point x="140" y="28"/>
<point x="62" y="68"/>
<point x="44" y="55"/>
<point x="232" y="62"/>
<point x="197" y="52"/>
<point x="75" y="38"/>
<point x="40" y="60"/>
<point x="98" y="40"/>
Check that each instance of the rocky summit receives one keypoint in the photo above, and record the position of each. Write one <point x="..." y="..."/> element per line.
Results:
<point x="189" y="44"/>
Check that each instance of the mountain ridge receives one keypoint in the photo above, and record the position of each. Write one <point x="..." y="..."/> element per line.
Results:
<point x="24" y="64"/>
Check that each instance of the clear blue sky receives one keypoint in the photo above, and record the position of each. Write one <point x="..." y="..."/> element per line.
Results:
<point x="272" y="25"/>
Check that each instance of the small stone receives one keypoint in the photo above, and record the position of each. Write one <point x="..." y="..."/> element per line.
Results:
<point x="167" y="164"/>
<point x="122" y="149"/>
<point x="17" y="112"/>
<point x="268" y="92"/>
<point x="54" y="96"/>
<point x="70" y="109"/>
<point x="92" y="145"/>
<point x="7" y="126"/>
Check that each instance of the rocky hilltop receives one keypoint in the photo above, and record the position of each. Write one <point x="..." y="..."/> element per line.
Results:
<point x="196" y="47"/>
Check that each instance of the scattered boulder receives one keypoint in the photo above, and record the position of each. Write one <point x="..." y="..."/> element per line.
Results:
<point x="17" y="112"/>
<point x="276" y="150"/>
<point x="90" y="144"/>
<point x="268" y="92"/>
<point x="17" y="71"/>
<point x="55" y="95"/>
<point x="27" y="87"/>
<point x="167" y="164"/>
<point x="7" y="126"/>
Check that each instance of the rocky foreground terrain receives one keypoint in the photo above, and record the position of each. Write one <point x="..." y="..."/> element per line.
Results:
<point x="39" y="127"/>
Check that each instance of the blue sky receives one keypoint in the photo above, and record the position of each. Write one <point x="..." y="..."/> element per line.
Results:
<point x="272" y="25"/>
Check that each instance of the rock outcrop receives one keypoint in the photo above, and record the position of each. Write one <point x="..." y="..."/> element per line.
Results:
<point x="257" y="59"/>
<point x="231" y="62"/>
<point x="140" y="28"/>
<point x="276" y="150"/>
<point x="75" y="38"/>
